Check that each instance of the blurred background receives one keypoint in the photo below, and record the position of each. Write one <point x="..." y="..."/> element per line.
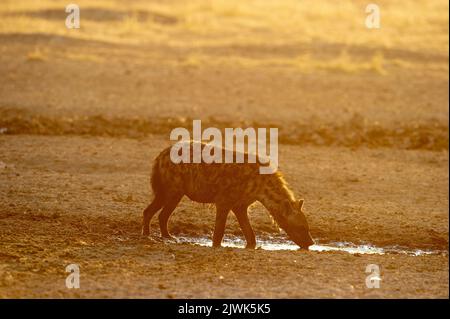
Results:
<point x="312" y="68"/>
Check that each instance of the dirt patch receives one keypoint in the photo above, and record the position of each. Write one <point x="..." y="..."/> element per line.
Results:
<point x="79" y="200"/>
<point x="356" y="132"/>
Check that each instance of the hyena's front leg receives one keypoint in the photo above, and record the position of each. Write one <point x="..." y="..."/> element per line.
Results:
<point x="242" y="217"/>
<point x="219" y="229"/>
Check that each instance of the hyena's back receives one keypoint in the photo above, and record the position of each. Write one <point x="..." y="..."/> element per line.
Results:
<point x="205" y="183"/>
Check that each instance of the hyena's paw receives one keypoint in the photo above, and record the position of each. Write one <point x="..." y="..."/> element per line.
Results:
<point x="168" y="238"/>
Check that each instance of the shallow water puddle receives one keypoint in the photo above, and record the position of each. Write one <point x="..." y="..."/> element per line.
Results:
<point x="277" y="244"/>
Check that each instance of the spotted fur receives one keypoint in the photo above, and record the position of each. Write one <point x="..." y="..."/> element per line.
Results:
<point x="230" y="186"/>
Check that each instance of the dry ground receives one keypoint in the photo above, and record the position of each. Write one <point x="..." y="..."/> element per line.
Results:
<point x="363" y="118"/>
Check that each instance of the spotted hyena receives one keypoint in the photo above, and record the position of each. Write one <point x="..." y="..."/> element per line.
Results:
<point x="230" y="186"/>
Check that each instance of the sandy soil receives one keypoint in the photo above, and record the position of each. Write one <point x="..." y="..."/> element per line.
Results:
<point x="363" y="131"/>
<point x="78" y="200"/>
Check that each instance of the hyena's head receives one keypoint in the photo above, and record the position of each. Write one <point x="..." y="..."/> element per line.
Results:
<point x="296" y="226"/>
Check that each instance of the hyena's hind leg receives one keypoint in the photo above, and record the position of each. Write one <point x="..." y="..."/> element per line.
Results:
<point x="149" y="212"/>
<point x="169" y="206"/>
<point x="242" y="217"/>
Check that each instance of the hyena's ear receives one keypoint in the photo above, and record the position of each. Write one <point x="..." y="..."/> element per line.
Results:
<point x="300" y="204"/>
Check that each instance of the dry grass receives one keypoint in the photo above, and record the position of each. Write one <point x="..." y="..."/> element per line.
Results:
<point x="306" y="63"/>
<point x="418" y="26"/>
<point x="36" y="55"/>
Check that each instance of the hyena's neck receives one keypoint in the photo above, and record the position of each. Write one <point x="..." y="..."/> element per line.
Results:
<point x="277" y="197"/>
